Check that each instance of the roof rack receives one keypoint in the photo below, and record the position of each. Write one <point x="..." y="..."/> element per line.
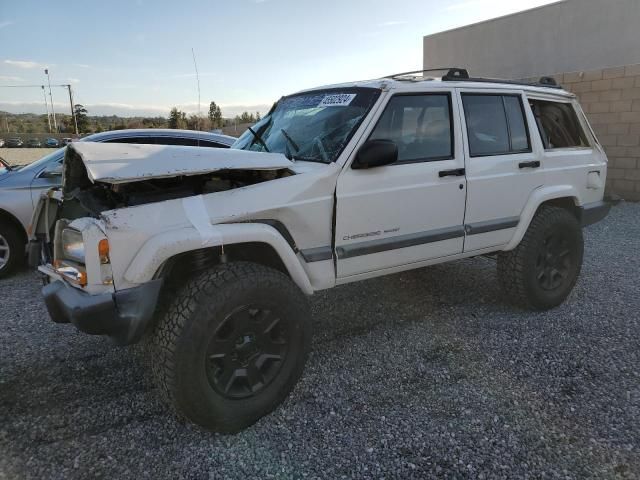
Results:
<point x="545" y="82"/>
<point x="451" y="72"/>
<point x="455" y="74"/>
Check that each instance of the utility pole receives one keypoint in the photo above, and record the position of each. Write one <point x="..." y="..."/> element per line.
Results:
<point x="73" y="110"/>
<point x="53" y="112"/>
<point x="46" y="106"/>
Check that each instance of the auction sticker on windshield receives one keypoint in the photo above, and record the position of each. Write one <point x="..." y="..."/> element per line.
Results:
<point x="337" y="100"/>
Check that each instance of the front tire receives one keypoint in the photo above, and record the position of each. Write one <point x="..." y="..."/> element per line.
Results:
<point x="231" y="345"/>
<point x="543" y="269"/>
<point x="11" y="249"/>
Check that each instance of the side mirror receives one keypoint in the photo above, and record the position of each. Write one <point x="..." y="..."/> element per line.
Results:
<point x="375" y="153"/>
<point x="53" y="171"/>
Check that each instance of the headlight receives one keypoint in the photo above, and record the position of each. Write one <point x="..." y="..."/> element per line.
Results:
<point x="72" y="245"/>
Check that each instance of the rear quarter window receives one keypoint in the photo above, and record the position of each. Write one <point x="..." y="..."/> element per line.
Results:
<point x="558" y="125"/>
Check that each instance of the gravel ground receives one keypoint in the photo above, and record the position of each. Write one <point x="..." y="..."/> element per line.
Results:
<point x="23" y="156"/>
<point x="425" y="373"/>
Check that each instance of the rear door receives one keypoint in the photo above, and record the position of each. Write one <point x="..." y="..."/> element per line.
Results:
<point x="410" y="211"/>
<point x="504" y="164"/>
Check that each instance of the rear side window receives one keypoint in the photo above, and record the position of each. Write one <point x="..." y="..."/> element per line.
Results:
<point x="140" y="140"/>
<point x="185" y="142"/>
<point x="189" y="142"/>
<point x="206" y="143"/>
<point x="420" y="125"/>
<point x="558" y="125"/>
<point x="495" y="124"/>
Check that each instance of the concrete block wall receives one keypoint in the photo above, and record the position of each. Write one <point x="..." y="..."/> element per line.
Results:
<point x="610" y="98"/>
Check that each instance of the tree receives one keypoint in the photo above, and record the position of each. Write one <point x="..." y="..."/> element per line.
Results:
<point x="247" y="117"/>
<point x="81" y="117"/>
<point x="177" y="119"/>
<point x="196" y="122"/>
<point x="257" y="116"/>
<point x="215" y="115"/>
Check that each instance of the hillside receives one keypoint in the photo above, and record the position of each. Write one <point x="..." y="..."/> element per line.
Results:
<point x="29" y="125"/>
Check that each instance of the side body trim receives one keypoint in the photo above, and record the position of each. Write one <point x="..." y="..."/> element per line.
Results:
<point x="491" y="225"/>
<point x="419" y="238"/>
<point x="317" y="254"/>
<point x="400" y="241"/>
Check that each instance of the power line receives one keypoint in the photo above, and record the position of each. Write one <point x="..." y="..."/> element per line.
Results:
<point x="64" y="85"/>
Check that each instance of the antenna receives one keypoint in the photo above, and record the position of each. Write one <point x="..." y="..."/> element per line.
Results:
<point x="193" y="53"/>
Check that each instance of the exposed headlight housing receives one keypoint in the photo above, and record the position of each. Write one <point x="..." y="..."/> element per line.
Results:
<point x="72" y="245"/>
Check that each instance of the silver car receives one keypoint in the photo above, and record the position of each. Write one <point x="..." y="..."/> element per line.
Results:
<point x="20" y="187"/>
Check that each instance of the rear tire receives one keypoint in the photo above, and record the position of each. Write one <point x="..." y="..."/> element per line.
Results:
<point x="231" y="345"/>
<point x="543" y="269"/>
<point x="11" y="249"/>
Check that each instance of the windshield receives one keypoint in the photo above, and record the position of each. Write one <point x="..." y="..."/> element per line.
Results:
<point x="55" y="156"/>
<point x="313" y="126"/>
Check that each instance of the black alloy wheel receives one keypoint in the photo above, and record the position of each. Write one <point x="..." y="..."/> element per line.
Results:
<point x="554" y="261"/>
<point x="246" y="352"/>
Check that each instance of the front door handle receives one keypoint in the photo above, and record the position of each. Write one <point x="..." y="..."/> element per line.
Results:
<point x="531" y="164"/>
<point x="456" y="172"/>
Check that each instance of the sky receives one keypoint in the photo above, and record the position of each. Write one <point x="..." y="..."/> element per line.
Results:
<point x="135" y="57"/>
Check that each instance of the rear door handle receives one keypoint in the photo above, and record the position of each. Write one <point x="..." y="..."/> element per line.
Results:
<point x="531" y="164"/>
<point x="456" y="172"/>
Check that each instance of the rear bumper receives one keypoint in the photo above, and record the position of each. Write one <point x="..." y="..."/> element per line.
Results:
<point x="591" y="213"/>
<point x="123" y="315"/>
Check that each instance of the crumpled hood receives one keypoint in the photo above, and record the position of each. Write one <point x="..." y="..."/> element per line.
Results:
<point x="123" y="163"/>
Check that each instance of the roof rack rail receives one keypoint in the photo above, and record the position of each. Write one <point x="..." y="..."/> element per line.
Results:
<point x="455" y="74"/>
<point x="546" y="82"/>
<point x="452" y="72"/>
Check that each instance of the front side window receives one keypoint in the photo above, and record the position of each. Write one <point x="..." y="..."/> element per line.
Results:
<point x="495" y="124"/>
<point x="558" y="125"/>
<point x="313" y="126"/>
<point x="420" y="125"/>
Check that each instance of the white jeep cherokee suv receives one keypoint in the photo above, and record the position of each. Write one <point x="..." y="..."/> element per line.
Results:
<point x="207" y="255"/>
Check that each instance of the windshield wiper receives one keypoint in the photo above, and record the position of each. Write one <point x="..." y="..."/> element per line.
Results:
<point x="290" y="140"/>
<point x="258" y="138"/>
<point x="286" y="146"/>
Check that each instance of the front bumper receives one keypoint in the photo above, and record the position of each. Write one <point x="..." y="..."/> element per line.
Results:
<point x="591" y="213"/>
<point x="123" y="315"/>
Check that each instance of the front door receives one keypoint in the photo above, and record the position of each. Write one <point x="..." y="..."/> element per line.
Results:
<point x="410" y="211"/>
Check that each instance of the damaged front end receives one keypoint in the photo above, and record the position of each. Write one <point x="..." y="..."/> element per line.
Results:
<point x="69" y="235"/>
<point x="99" y="177"/>
<point x="104" y="177"/>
